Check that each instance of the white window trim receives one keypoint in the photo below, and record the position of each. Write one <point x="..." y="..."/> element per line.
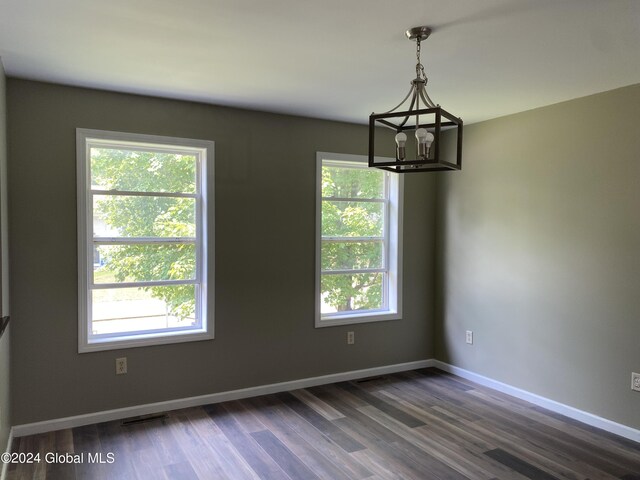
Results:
<point x="204" y="245"/>
<point x="393" y="311"/>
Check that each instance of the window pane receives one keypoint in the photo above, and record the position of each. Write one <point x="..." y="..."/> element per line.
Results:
<point x="133" y="216"/>
<point x="139" y="171"/>
<point x="352" y="182"/>
<point x="352" y="219"/>
<point x="137" y="263"/>
<point x="135" y="309"/>
<point x="344" y="293"/>
<point x="351" y="255"/>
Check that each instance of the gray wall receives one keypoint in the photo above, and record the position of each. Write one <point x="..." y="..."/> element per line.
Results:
<point x="539" y="253"/>
<point x="5" y="412"/>
<point x="264" y="206"/>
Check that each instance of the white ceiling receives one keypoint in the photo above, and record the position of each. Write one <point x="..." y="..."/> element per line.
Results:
<point x="335" y="59"/>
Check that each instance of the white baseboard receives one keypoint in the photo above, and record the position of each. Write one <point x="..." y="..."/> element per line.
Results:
<point x="5" y="466"/>
<point x="557" y="407"/>
<point x="151" y="408"/>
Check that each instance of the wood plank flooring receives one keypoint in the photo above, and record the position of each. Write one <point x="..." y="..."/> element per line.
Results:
<point x="417" y="425"/>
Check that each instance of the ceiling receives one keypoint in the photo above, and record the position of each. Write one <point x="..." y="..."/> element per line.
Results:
<point x="333" y="59"/>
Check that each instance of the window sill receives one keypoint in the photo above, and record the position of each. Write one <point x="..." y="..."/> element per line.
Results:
<point x="134" y="341"/>
<point x="352" y="318"/>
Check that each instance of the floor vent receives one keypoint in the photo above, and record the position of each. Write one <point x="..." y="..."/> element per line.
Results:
<point x="143" y="419"/>
<point x="371" y="379"/>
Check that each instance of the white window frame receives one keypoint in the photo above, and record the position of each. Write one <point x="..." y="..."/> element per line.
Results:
<point x="203" y="150"/>
<point x="392" y="308"/>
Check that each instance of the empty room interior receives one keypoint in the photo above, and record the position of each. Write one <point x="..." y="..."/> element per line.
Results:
<point x="217" y="262"/>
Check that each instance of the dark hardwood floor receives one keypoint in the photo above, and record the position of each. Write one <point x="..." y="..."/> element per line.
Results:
<point x="423" y="424"/>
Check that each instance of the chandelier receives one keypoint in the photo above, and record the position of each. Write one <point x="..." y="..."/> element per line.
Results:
<point x="423" y="119"/>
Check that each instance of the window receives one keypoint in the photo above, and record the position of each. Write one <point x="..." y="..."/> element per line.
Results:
<point x="358" y="241"/>
<point x="142" y="239"/>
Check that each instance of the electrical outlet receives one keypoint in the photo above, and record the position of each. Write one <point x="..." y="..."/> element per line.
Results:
<point x="635" y="381"/>
<point x="121" y="366"/>
<point x="351" y="338"/>
<point x="469" y="337"/>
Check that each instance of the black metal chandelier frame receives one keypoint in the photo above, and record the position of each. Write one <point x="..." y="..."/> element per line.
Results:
<point x="434" y="119"/>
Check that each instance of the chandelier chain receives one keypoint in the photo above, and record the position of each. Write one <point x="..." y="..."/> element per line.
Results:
<point x="419" y="67"/>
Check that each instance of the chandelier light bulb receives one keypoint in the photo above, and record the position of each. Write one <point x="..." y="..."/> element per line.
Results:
<point x="430" y="138"/>
<point x="401" y="140"/>
<point x="425" y="139"/>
